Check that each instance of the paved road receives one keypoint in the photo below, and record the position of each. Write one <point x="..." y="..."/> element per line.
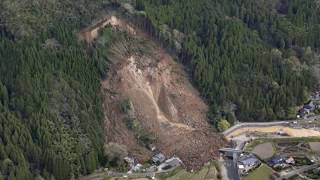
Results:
<point x="231" y="166"/>
<point x="223" y="170"/>
<point x="232" y="169"/>
<point x="265" y="124"/>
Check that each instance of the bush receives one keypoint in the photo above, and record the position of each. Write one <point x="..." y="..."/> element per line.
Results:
<point x="223" y="125"/>
<point x="115" y="153"/>
<point x="125" y="106"/>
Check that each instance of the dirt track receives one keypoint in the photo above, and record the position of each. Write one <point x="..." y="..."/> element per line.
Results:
<point x="164" y="102"/>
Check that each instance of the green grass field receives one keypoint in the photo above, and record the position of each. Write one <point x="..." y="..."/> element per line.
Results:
<point x="254" y="143"/>
<point x="261" y="173"/>
<point x="181" y="174"/>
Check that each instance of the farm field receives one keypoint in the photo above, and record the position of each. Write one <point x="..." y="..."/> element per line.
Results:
<point x="207" y="172"/>
<point x="315" y="146"/>
<point x="264" y="151"/>
<point x="312" y="141"/>
<point x="266" y="148"/>
<point x="261" y="173"/>
<point x="304" y="151"/>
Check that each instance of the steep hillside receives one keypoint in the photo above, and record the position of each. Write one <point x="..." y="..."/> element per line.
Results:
<point x="51" y="114"/>
<point x="51" y="118"/>
<point x="21" y="18"/>
<point x="149" y="100"/>
<point x="248" y="58"/>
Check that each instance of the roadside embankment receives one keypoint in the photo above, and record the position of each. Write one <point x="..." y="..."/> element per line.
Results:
<point x="273" y="127"/>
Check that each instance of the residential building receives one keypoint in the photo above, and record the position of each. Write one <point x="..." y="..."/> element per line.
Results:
<point x="158" y="158"/>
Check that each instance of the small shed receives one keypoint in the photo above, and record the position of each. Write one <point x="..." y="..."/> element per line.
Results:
<point x="290" y="160"/>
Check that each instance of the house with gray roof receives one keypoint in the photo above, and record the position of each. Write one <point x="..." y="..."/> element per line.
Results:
<point x="247" y="163"/>
<point x="158" y="158"/>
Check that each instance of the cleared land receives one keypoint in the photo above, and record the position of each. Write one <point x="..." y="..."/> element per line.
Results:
<point x="163" y="100"/>
<point x="261" y="173"/>
<point x="315" y="146"/>
<point x="295" y="147"/>
<point x="264" y="151"/>
<point x="274" y="129"/>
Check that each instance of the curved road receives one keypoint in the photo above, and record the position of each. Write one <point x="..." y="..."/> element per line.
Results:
<point x="230" y="165"/>
<point x="266" y="124"/>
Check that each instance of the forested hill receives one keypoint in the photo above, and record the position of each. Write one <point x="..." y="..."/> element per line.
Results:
<point x="51" y="120"/>
<point x="251" y="57"/>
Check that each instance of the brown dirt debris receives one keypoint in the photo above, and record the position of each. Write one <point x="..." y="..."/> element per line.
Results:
<point x="164" y="102"/>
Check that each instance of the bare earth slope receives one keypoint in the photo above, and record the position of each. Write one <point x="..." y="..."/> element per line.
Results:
<point x="164" y="102"/>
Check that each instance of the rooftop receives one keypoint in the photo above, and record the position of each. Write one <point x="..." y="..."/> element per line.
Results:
<point x="277" y="160"/>
<point x="249" y="160"/>
<point x="158" y="158"/>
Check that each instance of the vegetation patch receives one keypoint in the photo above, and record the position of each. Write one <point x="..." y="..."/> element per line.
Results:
<point x="302" y="161"/>
<point x="257" y="70"/>
<point x="133" y="124"/>
<point x="262" y="173"/>
<point x="313" y="174"/>
<point x="254" y="143"/>
<point x="206" y="172"/>
<point x="251" y="145"/>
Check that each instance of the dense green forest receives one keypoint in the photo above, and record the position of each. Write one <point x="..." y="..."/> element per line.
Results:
<point x="249" y="58"/>
<point x="51" y="119"/>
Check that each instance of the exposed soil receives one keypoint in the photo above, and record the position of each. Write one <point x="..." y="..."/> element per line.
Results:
<point x="315" y="146"/>
<point x="274" y="129"/>
<point x="264" y="151"/>
<point x="165" y="103"/>
<point x="91" y="33"/>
